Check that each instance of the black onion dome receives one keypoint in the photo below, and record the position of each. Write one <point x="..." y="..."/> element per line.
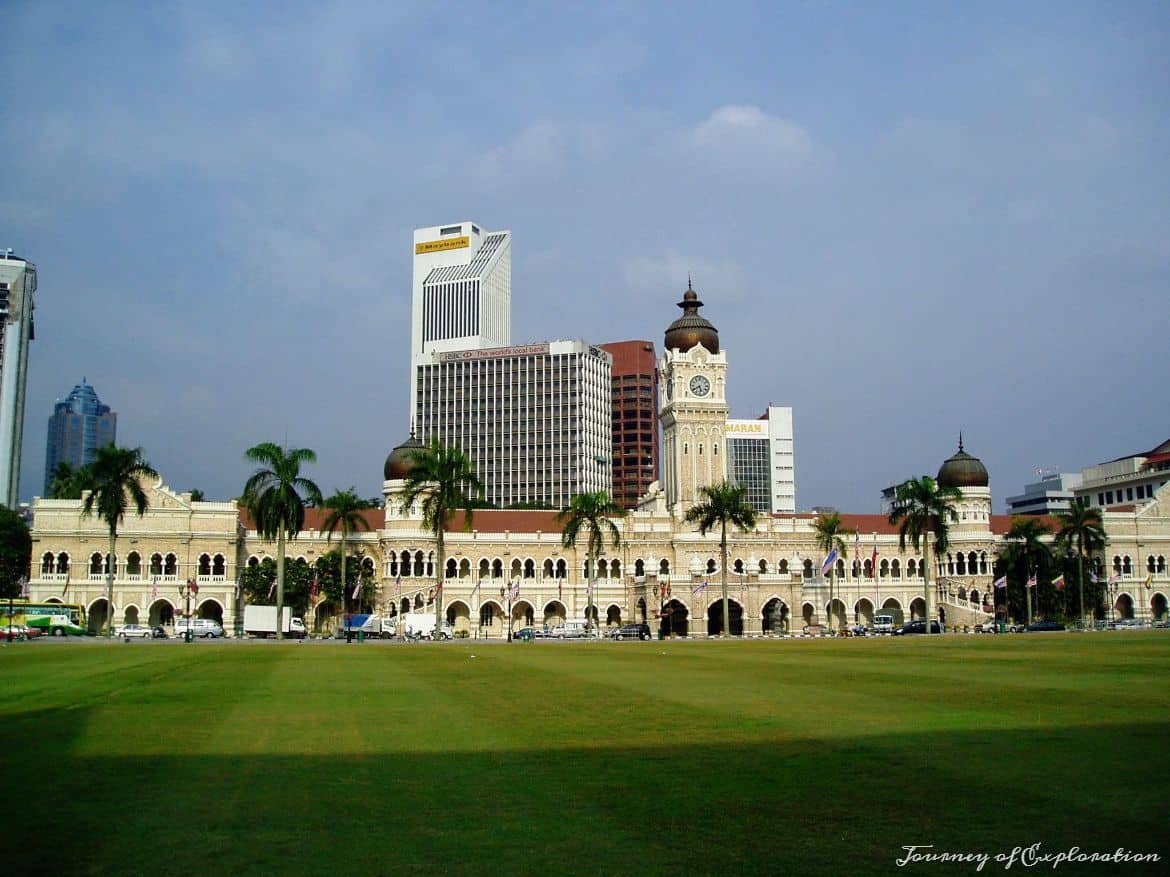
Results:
<point x="690" y="329"/>
<point x="400" y="460"/>
<point x="962" y="470"/>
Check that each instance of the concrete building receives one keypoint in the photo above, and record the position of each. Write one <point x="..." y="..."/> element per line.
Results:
<point x="18" y="286"/>
<point x="1051" y="495"/>
<point x="634" y="402"/>
<point x="534" y="419"/>
<point x="1131" y="479"/>
<point x="79" y="426"/>
<point x="760" y="457"/>
<point x="461" y="296"/>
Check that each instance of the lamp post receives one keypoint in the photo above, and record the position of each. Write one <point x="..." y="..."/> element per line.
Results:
<point x="187" y="591"/>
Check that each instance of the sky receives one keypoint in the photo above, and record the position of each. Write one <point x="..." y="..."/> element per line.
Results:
<point x="907" y="220"/>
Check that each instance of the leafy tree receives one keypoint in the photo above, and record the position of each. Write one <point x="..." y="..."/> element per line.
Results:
<point x="724" y="504"/>
<point x="828" y="529"/>
<point x="923" y="508"/>
<point x="589" y="514"/>
<point x="259" y="581"/>
<point x="67" y="482"/>
<point x="444" y="479"/>
<point x="276" y="495"/>
<point x="1081" y="531"/>
<point x="15" y="551"/>
<point x="115" y="477"/>
<point x="344" y="513"/>
<point x="1028" y="555"/>
<point x="196" y="495"/>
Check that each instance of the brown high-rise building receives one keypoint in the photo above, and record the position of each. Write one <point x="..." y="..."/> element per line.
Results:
<point x="635" y="419"/>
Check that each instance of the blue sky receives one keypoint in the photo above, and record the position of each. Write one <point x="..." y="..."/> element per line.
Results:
<point x="906" y="220"/>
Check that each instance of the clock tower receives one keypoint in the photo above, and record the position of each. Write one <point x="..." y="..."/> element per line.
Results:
<point x="693" y="406"/>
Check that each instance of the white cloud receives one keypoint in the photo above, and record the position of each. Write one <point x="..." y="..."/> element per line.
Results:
<point x="545" y="148"/>
<point x="742" y="142"/>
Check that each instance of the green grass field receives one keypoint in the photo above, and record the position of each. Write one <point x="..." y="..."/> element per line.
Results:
<point x="795" y="757"/>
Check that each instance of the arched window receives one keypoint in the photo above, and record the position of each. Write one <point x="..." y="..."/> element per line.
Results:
<point x="219" y="566"/>
<point x="156" y="564"/>
<point x="548" y="569"/>
<point x="737" y="567"/>
<point x="1150" y="564"/>
<point x="562" y="569"/>
<point x="686" y="448"/>
<point x="840" y="568"/>
<point x="710" y="566"/>
<point x="516" y="568"/>
<point x="910" y="567"/>
<point x="170" y="565"/>
<point x="486" y="614"/>
<point x="784" y="567"/>
<point x="134" y="564"/>
<point x="615" y="569"/>
<point x="972" y="563"/>
<point x="982" y="563"/>
<point x="1116" y="565"/>
<point x="47" y="563"/>
<point x="529" y="569"/>
<point x="451" y="569"/>
<point x="485" y="568"/>
<point x="869" y="569"/>
<point x="603" y="569"/>
<point x="808" y="571"/>
<point x="884" y="568"/>
<point x="62" y="562"/>
<point x="639" y="568"/>
<point x="763" y="566"/>
<point x="664" y="567"/>
<point x="896" y="568"/>
<point x="1161" y="563"/>
<point x="497" y="569"/>
<point x="715" y="449"/>
<point x="204" y="564"/>
<point x="95" y="564"/>
<point x="700" y="449"/>
<point x="950" y="565"/>
<point x="1126" y="566"/>
<point x="419" y="571"/>
<point x="961" y="565"/>
<point x="465" y="568"/>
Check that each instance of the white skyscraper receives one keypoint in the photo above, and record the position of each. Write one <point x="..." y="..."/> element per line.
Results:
<point x="462" y="292"/>
<point x="18" y="282"/>
<point x="760" y="457"/>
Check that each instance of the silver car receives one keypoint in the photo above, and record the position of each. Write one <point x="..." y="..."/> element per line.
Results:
<point x="133" y="631"/>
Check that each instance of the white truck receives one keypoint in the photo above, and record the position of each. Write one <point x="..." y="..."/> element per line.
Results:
<point x="261" y="621"/>
<point x="421" y="625"/>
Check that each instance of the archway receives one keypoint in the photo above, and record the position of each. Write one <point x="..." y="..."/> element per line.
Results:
<point x="211" y="609"/>
<point x="715" y="618"/>
<point x="641" y="609"/>
<point x="863" y="612"/>
<point x="130" y="614"/>
<point x="97" y="614"/>
<point x="917" y="609"/>
<point x="613" y="615"/>
<point x="775" y="617"/>
<point x="554" y="613"/>
<point x="836" y="612"/>
<point x="162" y="612"/>
<point x="893" y="607"/>
<point x="491" y="618"/>
<point x="1158" y="607"/>
<point x="675" y="619"/>
<point x="808" y="614"/>
<point x="523" y="614"/>
<point x="459" y="617"/>
<point x="1124" y="606"/>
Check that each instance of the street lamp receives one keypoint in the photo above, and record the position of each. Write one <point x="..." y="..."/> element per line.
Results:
<point x="506" y="595"/>
<point x="187" y="591"/>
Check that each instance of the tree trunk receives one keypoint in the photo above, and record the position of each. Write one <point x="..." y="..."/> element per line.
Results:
<point x="831" y="580"/>
<point x="926" y="562"/>
<point x="1081" y="577"/>
<point x="591" y="597"/>
<point x="344" y="589"/>
<point x="110" y="585"/>
<point x="280" y="583"/>
<point x="441" y="561"/>
<point x="723" y="558"/>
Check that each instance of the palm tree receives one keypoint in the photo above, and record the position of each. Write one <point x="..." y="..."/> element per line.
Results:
<point x="922" y="508"/>
<point x="67" y="482"/>
<point x="345" y="512"/>
<point x="725" y="503"/>
<point x="1081" y="526"/>
<point x="591" y="513"/>
<point x="114" y="481"/>
<point x="828" y="530"/>
<point x="444" y="478"/>
<point x="273" y="495"/>
<point x="1025" y="535"/>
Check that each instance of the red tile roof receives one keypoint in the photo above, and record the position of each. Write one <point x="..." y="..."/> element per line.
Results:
<point x="315" y="517"/>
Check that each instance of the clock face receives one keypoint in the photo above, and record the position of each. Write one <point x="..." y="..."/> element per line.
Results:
<point x="700" y="386"/>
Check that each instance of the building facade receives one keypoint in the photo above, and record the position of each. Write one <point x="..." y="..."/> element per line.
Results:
<point x="634" y="402"/>
<point x="1126" y="480"/>
<point x="1052" y="495"/>
<point x="18" y="286"/>
<point x="760" y="457"/>
<point x="534" y="419"/>
<point x="461" y="296"/>
<point x="79" y="426"/>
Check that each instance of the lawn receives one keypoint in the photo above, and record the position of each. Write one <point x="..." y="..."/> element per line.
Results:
<point x="793" y="757"/>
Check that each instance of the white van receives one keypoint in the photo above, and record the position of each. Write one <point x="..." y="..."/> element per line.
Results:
<point x="205" y="628"/>
<point x="883" y="624"/>
<point x="569" y="630"/>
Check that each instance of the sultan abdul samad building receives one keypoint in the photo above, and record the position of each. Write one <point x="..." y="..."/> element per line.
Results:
<point x="510" y="567"/>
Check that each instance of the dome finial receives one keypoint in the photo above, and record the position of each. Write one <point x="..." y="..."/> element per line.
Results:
<point x="689" y="285"/>
<point x="960" y="439"/>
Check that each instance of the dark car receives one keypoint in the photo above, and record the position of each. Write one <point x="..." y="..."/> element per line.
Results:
<point x="1043" y="626"/>
<point x="917" y="627"/>
<point x="528" y="634"/>
<point x="159" y="633"/>
<point x="632" y="631"/>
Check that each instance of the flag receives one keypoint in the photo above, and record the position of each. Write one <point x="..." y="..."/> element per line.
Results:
<point x="154" y="588"/>
<point x="828" y="564"/>
<point x="68" y="573"/>
<point x="1113" y="580"/>
<point x="1093" y="577"/>
<point x="873" y="560"/>
<point x="857" y="546"/>
<point x="1000" y="582"/>
<point x="515" y="592"/>
<point x="1032" y="582"/>
<point x="1058" y="582"/>
<point x="271" y="588"/>
<point x="357" y="589"/>
<point x="476" y="588"/>
<point x="24" y="586"/>
<point x="314" y="589"/>
<point x="702" y="586"/>
<point x="1149" y="579"/>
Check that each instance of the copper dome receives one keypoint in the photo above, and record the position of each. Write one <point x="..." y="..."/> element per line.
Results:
<point x="690" y="329"/>
<point x="401" y="460"/>
<point x="962" y="470"/>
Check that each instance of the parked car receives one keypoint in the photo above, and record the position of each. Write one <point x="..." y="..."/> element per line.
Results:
<point x="569" y="630"/>
<point x="917" y="627"/>
<point x="987" y="627"/>
<point x="206" y="628"/>
<point x="632" y="631"/>
<point x="14" y="632"/>
<point x="527" y="634"/>
<point x="1043" y="626"/>
<point x="133" y="631"/>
